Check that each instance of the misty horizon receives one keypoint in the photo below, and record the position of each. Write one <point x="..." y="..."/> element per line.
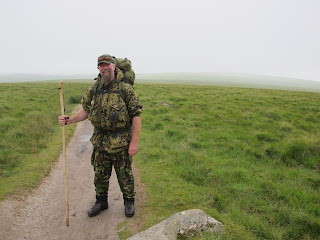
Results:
<point x="92" y="75"/>
<point x="271" y="38"/>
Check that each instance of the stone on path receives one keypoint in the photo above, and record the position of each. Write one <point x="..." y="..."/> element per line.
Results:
<point x="184" y="223"/>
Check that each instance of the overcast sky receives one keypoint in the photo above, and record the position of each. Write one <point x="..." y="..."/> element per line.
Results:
<point x="270" y="37"/>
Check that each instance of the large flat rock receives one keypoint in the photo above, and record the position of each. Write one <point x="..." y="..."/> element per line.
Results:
<point x="186" y="222"/>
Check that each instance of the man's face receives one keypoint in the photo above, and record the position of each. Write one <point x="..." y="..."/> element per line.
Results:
<point x="106" y="66"/>
<point x="107" y="72"/>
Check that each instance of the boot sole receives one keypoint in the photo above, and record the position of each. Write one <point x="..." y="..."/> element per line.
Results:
<point x="95" y="214"/>
<point x="129" y="215"/>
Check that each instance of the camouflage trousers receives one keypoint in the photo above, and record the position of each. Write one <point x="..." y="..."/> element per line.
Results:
<point x="102" y="163"/>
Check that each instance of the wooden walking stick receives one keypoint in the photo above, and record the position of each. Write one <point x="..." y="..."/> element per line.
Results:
<point x="64" y="154"/>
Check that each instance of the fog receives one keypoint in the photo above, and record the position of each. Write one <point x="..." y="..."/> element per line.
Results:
<point x="267" y="37"/>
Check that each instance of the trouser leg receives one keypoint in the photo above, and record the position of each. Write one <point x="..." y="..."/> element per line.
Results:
<point x="123" y="168"/>
<point x="102" y="172"/>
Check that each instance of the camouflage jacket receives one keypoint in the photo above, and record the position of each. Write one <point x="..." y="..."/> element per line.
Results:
<point x="111" y="115"/>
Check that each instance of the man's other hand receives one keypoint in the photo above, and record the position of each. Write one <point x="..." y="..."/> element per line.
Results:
<point x="133" y="148"/>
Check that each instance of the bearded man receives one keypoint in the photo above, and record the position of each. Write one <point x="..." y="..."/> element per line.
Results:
<point x="114" y="109"/>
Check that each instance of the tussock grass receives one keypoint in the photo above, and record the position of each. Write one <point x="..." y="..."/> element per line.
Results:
<point x="248" y="157"/>
<point x="75" y="99"/>
<point x="30" y="138"/>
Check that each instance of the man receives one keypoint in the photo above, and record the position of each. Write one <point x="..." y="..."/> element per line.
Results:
<point x="114" y="109"/>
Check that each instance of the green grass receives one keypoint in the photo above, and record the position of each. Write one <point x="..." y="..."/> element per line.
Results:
<point x="248" y="157"/>
<point x="30" y="137"/>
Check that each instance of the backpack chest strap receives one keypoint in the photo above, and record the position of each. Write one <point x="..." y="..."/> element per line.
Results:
<point x="121" y="91"/>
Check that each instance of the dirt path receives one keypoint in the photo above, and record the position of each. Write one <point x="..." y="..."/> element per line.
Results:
<point x="41" y="215"/>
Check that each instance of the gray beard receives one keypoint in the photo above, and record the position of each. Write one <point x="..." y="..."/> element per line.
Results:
<point x="106" y="76"/>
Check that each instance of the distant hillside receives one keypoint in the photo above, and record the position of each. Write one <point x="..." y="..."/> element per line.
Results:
<point x="217" y="79"/>
<point x="41" y="77"/>
<point x="232" y="80"/>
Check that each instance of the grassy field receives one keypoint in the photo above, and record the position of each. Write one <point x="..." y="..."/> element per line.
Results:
<point x="248" y="157"/>
<point x="30" y="138"/>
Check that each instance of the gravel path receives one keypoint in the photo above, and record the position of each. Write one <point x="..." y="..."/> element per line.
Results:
<point x="41" y="215"/>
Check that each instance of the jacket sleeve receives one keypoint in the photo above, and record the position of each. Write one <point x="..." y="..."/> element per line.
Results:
<point x="86" y="100"/>
<point x="134" y="105"/>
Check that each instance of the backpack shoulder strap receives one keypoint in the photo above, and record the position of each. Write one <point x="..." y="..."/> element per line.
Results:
<point x="123" y="91"/>
<point x="93" y="91"/>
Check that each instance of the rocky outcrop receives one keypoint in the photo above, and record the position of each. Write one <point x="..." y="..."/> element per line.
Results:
<point x="184" y="223"/>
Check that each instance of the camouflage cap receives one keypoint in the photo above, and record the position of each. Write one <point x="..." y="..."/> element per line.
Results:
<point x="105" y="58"/>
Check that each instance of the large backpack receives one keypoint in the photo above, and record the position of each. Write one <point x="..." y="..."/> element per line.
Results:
<point x="126" y="68"/>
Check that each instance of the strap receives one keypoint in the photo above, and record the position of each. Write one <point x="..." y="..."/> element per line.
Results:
<point x="106" y="132"/>
<point x="123" y="91"/>
<point x="110" y="91"/>
<point x="94" y="89"/>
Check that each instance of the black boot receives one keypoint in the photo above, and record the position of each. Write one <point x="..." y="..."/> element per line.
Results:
<point x="129" y="207"/>
<point x="100" y="205"/>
